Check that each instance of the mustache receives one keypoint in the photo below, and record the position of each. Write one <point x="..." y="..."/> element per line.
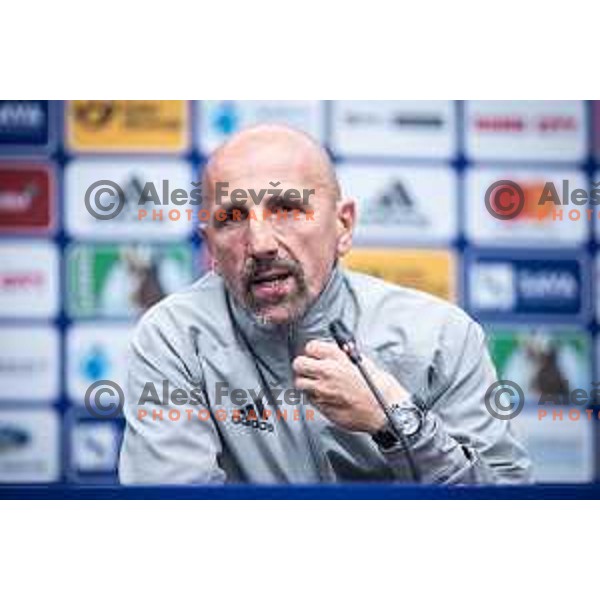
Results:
<point x="256" y="266"/>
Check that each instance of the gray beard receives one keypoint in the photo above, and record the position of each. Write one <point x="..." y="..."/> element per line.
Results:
<point x="298" y="303"/>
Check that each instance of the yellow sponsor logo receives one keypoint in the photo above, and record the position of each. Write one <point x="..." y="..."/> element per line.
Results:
<point x="128" y="125"/>
<point x="432" y="271"/>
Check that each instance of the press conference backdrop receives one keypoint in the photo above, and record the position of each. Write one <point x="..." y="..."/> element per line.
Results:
<point x="72" y="287"/>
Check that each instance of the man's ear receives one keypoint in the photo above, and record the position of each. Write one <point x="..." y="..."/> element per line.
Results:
<point x="210" y="255"/>
<point x="346" y="217"/>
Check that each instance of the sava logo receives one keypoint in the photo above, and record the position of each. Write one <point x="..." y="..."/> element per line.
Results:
<point x="549" y="284"/>
<point x="544" y="286"/>
<point x="248" y="417"/>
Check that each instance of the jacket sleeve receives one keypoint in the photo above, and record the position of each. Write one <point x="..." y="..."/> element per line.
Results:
<point x="460" y="441"/>
<point x="166" y="451"/>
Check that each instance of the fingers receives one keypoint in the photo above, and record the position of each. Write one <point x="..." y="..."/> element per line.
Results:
<point x="306" y="384"/>
<point x="322" y="350"/>
<point x="324" y="372"/>
<point x="318" y="356"/>
<point x="318" y="370"/>
<point x="303" y="366"/>
<point x="320" y="392"/>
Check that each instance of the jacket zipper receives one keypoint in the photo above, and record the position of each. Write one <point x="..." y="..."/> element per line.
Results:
<point x="316" y="456"/>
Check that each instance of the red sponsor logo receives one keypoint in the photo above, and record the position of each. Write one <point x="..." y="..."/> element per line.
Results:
<point x="21" y="281"/>
<point x="531" y="209"/>
<point x="521" y="124"/>
<point x="26" y="197"/>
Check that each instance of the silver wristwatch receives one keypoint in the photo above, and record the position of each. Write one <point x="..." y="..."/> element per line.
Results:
<point x="408" y="418"/>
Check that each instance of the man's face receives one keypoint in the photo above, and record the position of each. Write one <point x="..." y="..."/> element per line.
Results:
<point x="277" y="251"/>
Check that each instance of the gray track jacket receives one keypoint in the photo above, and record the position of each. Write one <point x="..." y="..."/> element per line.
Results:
<point x="202" y="342"/>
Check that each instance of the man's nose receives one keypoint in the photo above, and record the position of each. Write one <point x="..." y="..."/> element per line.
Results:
<point x="262" y="241"/>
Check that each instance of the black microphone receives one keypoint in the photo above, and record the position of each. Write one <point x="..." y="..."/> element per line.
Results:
<point x="343" y="336"/>
<point x="345" y="340"/>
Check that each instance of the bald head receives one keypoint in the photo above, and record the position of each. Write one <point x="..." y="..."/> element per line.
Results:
<point x="281" y="153"/>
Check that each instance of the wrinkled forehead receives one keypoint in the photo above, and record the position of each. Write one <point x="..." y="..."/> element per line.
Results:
<point x="259" y="163"/>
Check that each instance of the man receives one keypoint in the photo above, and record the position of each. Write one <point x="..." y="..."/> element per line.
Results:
<point x="276" y="400"/>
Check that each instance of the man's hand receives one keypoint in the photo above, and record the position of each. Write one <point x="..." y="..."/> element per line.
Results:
<point x="338" y="390"/>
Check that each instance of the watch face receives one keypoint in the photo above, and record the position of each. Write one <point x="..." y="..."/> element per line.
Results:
<point x="409" y="420"/>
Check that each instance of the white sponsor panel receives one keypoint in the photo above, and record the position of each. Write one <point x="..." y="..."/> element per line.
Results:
<point x="561" y="451"/>
<point x="529" y="284"/>
<point x="219" y="119"/>
<point x="394" y="128"/>
<point x="532" y="130"/>
<point x="96" y="352"/>
<point x="29" y="363"/>
<point x="94" y="446"/>
<point x="29" y="446"/>
<point x="403" y="205"/>
<point x="29" y="281"/>
<point x="153" y="206"/>
<point x="546" y="224"/>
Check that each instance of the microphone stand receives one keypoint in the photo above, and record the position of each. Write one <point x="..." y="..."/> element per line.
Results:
<point x="347" y="344"/>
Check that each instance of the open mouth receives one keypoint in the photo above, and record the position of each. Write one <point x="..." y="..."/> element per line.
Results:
<point x="272" y="276"/>
<point x="271" y="285"/>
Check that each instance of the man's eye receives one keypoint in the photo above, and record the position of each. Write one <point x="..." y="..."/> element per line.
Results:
<point x="290" y="206"/>
<point x="231" y="216"/>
